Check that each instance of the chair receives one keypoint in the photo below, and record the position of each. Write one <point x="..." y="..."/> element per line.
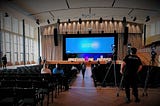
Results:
<point x="9" y="97"/>
<point x="29" y="96"/>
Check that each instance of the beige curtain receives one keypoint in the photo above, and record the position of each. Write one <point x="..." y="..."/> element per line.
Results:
<point x="49" y="50"/>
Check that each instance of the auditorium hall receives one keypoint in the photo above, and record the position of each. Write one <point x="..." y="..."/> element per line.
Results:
<point x="79" y="53"/>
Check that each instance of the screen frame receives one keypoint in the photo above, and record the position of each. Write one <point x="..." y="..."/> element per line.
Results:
<point x="65" y="55"/>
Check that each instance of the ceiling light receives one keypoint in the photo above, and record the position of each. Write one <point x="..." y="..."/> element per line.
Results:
<point x="48" y="21"/>
<point x="69" y="21"/>
<point x="124" y="19"/>
<point x="80" y="20"/>
<point x="37" y="21"/>
<point x="134" y="19"/>
<point x="58" y="21"/>
<point x="112" y="20"/>
<point x="100" y="20"/>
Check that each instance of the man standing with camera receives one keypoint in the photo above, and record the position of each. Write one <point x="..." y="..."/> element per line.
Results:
<point x="132" y="65"/>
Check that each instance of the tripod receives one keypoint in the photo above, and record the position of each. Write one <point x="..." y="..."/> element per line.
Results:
<point x="113" y="62"/>
<point x="120" y="85"/>
<point x="147" y="77"/>
<point x="122" y="78"/>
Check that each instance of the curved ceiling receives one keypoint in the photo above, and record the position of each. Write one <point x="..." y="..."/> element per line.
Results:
<point x="87" y="9"/>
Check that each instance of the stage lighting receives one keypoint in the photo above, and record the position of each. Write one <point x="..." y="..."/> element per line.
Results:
<point x="124" y="19"/>
<point x="37" y="21"/>
<point x="147" y="18"/>
<point x="100" y="20"/>
<point x="48" y="21"/>
<point x="58" y="21"/>
<point x="69" y="21"/>
<point x="134" y="19"/>
<point x="112" y="20"/>
<point x="80" y="21"/>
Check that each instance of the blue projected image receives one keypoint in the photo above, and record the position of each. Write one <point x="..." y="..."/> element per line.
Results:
<point x="89" y="45"/>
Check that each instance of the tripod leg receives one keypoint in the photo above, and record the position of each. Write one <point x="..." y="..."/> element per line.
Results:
<point x="115" y="78"/>
<point x="103" y="83"/>
<point x="120" y="86"/>
<point x="145" y="85"/>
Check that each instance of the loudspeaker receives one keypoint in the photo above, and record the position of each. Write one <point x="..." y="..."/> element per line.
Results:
<point x="125" y="40"/>
<point x="55" y="37"/>
<point x="145" y="34"/>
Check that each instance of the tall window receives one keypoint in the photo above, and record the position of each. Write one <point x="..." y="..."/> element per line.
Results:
<point x="11" y="40"/>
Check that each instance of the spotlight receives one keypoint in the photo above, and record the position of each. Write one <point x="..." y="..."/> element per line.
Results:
<point x="37" y="21"/>
<point x="100" y="20"/>
<point x="80" y="21"/>
<point x="134" y="19"/>
<point x="124" y="19"/>
<point x="112" y="20"/>
<point x="48" y="21"/>
<point x="6" y="15"/>
<point x="69" y="21"/>
<point x="147" y="18"/>
<point x="58" y="21"/>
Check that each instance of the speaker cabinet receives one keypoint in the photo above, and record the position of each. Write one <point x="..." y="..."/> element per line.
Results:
<point x="55" y="37"/>
<point x="145" y="34"/>
<point x="125" y="40"/>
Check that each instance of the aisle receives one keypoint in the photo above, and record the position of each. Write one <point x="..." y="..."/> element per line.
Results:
<point x="83" y="93"/>
<point x="87" y="82"/>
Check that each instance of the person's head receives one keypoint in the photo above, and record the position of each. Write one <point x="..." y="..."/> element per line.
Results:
<point x="46" y="65"/>
<point x="133" y="50"/>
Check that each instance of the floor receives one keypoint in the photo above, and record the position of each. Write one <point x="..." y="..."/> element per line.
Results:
<point x="83" y="93"/>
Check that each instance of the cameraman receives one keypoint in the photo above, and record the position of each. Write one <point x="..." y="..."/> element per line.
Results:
<point x="133" y="65"/>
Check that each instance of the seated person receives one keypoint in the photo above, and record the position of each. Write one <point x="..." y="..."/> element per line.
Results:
<point x="58" y="69"/>
<point x="45" y="69"/>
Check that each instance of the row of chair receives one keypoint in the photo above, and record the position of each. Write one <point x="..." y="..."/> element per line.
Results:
<point x="104" y="74"/>
<point x="28" y="79"/>
<point x="43" y="84"/>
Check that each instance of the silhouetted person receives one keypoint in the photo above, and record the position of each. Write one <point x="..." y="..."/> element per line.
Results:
<point x="83" y="65"/>
<point x="132" y="65"/>
<point x="4" y="61"/>
<point x="40" y="60"/>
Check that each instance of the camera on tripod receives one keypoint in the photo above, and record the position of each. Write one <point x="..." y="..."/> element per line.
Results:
<point x="114" y="52"/>
<point x="153" y="53"/>
<point x="129" y="49"/>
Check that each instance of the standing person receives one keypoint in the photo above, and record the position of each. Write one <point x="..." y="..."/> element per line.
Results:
<point x="40" y="60"/>
<point x="83" y="69"/>
<point x="4" y="61"/>
<point x="133" y="65"/>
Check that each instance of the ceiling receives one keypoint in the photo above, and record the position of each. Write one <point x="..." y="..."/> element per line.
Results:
<point x="87" y="9"/>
